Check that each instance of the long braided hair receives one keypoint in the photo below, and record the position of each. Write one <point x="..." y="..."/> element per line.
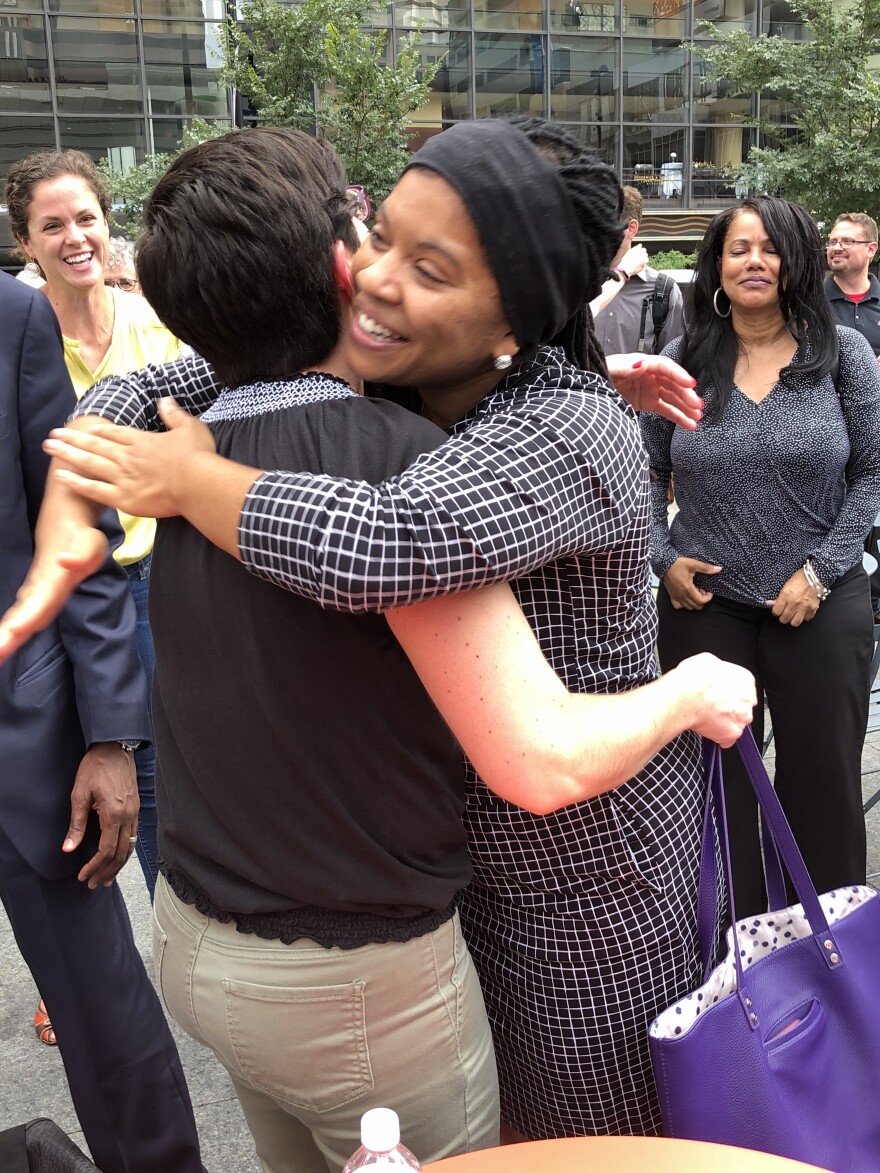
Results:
<point x="597" y="198"/>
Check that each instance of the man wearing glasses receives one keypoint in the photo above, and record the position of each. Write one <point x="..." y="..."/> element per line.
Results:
<point x="854" y="296"/>
<point x="853" y="292"/>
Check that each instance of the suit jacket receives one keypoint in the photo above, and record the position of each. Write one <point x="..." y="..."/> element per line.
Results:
<point x="80" y="681"/>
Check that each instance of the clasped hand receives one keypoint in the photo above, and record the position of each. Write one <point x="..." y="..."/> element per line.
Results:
<point x="683" y="592"/>
<point x="797" y="602"/>
<point x="142" y="473"/>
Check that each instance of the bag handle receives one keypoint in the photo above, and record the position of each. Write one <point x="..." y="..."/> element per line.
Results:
<point x="715" y="828"/>
<point x="778" y="831"/>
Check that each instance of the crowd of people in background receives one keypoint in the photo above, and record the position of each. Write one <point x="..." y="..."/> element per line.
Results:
<point x="428" y="819"/>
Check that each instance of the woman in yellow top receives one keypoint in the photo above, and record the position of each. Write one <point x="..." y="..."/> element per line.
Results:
<point x="58" y="209"/>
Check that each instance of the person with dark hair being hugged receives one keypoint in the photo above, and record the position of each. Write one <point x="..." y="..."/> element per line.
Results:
<point x="776" y="487"/>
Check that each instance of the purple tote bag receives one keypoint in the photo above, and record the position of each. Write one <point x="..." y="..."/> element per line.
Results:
<point x="779" y="1049"/>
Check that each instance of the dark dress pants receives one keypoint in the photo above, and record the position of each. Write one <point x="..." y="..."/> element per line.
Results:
<point x="815" y="678"/>
<point x="122" y="1065"/>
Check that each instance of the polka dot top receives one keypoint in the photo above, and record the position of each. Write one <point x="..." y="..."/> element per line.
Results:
<point x="771" y="484"/>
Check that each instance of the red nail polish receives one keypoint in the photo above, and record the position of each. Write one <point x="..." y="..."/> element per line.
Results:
<point x="636" y="365"/>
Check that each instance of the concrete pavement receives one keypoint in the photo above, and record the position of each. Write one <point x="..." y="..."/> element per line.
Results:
<point x="32" y="1079"/>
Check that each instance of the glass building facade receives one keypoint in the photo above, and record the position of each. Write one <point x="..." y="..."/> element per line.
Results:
<point x="615" y="73"/>
<point x="119" y="79"/>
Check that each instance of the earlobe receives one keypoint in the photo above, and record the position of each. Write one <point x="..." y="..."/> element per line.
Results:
<point x="342" y="271"/>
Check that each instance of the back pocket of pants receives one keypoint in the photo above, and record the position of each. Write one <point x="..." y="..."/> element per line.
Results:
<point x="305" y="1046"/>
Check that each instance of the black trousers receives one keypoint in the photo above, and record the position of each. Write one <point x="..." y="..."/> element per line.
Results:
<point x="815" y="678"/>
<point x="122" y="1065"/>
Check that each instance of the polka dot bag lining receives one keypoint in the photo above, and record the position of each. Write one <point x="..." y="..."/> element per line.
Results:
<point x="756" y="937"/>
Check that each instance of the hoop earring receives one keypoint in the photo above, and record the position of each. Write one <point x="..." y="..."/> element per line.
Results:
<point x="715" y="304"/>
<point x="502" y="362"/>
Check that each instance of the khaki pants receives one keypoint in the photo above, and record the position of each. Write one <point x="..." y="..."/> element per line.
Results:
<point x="313" y="1037"/>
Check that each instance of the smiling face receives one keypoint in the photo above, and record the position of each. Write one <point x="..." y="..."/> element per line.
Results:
<point x="750" y="264"/>
<point x="427" y="311"/>
<point x="851" y="260"/>
<point x="67" y="233"/>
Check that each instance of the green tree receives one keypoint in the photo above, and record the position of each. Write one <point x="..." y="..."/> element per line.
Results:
<point x="313" y="66"/>
<point x="133" y="186"/>
<point x="831" y="86"/>
<point x="673" y="258"/>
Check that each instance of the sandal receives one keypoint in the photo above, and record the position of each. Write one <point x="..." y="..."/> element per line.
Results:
<point x="43" y="1025"/>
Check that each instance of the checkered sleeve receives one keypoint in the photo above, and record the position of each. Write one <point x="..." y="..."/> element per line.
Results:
<point x="132" y="399"/>
<point x="516" y="490"/>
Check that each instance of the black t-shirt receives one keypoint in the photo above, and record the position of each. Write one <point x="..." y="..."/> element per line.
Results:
<point x="306" y="784"/>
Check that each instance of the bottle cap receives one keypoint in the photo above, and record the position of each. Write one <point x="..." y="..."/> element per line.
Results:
<point x="380" y="1130"/>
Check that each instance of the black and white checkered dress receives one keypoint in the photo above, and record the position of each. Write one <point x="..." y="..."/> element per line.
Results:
<point x="582" y="923"/>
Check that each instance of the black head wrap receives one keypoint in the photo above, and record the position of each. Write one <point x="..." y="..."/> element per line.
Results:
<point x="524" y="218"/>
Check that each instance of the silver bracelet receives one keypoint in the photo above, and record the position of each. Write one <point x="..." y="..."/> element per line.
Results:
<point x="813" y="580"/>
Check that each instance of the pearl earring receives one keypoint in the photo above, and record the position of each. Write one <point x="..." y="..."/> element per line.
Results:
<point x="502" y="362"/>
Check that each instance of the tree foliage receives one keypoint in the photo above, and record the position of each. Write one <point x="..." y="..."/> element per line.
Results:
<point x="832" y="88"/>
<point x="673" y="258"/>
<point x="133" y="186"/>
<point x="313" y="66"/>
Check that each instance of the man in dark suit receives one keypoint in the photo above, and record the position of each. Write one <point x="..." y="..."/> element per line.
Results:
<point x="72" y="708"/>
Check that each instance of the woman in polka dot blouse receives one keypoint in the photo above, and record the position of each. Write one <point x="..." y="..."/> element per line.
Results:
<point x="776" y="490"/>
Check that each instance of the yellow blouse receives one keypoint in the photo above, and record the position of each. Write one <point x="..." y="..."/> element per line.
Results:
<point x="139" y="338"/>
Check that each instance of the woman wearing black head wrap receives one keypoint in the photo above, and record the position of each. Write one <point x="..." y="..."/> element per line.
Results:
<point x="581" y="923"/>
<point x="472" y="288"/>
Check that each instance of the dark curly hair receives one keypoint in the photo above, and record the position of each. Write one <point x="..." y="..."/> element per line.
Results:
<point x="597" y="198"/>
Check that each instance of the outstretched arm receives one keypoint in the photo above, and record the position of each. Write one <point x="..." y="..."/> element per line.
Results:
<point x="522" y="488"/>
<point x="531" y="741"/>
<point x="69" y="546"/>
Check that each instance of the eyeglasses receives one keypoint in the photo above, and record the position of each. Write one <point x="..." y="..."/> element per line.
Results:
<point x="844" y="242"/>
<point x="124" y="283"/>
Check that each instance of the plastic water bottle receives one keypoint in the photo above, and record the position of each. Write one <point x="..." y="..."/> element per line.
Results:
<point x="380" y="1144"/>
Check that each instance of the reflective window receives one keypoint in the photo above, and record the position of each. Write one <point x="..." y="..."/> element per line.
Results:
<point x="92" y="7"/>
<point x="775" y="108"/>
<point x="513" y="15"/>
<point x="20" y="137"/>
<point x="119" y="140"/>
<point x="726" y="14"/>
<point x="778" y="19"/>
<point x="14" y="7"/>
<point x="600" y="138"/>
<point x="653" y="162"/>
<point x="656" y="18"/>
<point x="583" y="79"/>
<point x="96" y="66"/>
<point x="182" y="64"/>
<point x="717" y="154"/>
<point x="654" y="80"/>
<point x="449" y="91"/>
<point x="168" y="133"/>
<point x="717" y="100"/>
<point x="510" y="74"/>
<point x="181" y="9"/>
<point x="431" y="14"/>
<point x="421" y="132"/>
<point x="568" y="16"/>
<point x="24" y="66"/>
